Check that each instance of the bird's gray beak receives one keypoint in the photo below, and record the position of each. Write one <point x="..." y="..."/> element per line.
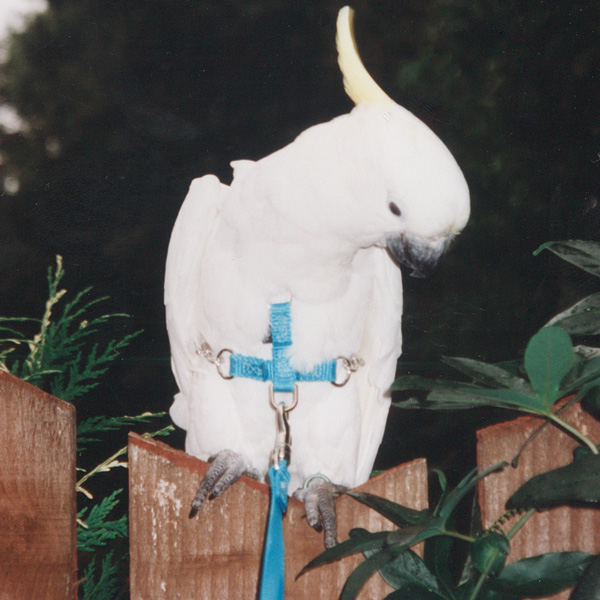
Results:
<point x="415" y="253"/>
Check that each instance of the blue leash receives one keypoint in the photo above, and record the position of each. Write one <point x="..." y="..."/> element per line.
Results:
<point x="284" y="378"/>
<point x="272" y="579"/>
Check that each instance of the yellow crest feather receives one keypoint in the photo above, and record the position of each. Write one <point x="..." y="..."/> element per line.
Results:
<point x="358" y="84"/>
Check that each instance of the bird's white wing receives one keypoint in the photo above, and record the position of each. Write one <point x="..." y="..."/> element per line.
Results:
<point x="380" y="349"/>
<point x="190" y="238"/>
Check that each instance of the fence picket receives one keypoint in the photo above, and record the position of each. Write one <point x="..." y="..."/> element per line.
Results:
<point x="38" y="557"/>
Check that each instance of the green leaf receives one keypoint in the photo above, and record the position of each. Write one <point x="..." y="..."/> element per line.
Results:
<point x="541" y="576"/>
<point x="582" y="254"/>
<point x="583" y="377"/>
<point x="588" y="587"/>
<point x="416" y="382"/>
<point x="396" y="513"/>
<point x="548" y="358"/>
<point x="442" y="480"/>
<point x="463" y="396"/>
<point x="438" y="558"/>
<point x="575" y="483"/>
<point x="443" y="483"/>
<point x="582" y="318"/>
<point x="469" y="575"/>
<point x="362" y="541"/>
<point x="463" y="488"/>
<point x="363" y="573"/>
<point x="489" y="375"/>
<point x="586" y="367"/>
<point x="406" y="537"/>
<point x="489" y="553"/>
<point x="407" y="569"/>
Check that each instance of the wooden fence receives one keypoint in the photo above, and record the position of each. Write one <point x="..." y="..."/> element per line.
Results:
<point x="38" y="556"/>
<point x="217" y="554"/>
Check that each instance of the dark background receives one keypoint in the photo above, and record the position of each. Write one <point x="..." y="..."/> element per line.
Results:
<point x="124" y="102"/>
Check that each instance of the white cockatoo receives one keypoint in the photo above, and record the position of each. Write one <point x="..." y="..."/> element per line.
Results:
<point x="321" y="223"/>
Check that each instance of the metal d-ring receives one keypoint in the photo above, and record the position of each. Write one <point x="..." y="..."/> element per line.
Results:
<point x="315" y="476"/>
<point x="219" y="361"/>
<point x="275" y="404"/>
<point x="351" y="365"/>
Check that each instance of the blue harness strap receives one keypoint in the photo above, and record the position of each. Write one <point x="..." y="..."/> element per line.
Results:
<point x="278" y="370"/>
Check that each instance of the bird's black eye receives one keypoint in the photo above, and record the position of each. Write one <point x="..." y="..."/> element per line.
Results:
<point x="394" y="209"/>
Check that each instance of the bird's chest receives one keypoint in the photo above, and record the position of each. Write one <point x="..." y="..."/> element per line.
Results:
<point x="328" y="308"/>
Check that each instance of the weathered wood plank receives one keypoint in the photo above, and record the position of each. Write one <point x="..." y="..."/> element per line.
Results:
<point x="217" y="554"/>
<point x="557" y="530"/>
<point x="38" y="556"/>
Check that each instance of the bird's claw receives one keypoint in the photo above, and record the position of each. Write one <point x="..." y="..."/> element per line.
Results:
<point x="318" y="499"/>
<point x="225" y="469"/>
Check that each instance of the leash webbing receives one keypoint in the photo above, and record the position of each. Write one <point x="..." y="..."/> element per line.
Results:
<point x="272" y="581"/>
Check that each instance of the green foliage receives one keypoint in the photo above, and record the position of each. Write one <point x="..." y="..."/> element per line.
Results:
<point x="61" y="357"/>
<point x="541" y="576"/>
<point x="577" y="483"/>
<point x="113" y="460"/>
<point x="551" y="369"/>
<point x="383" y="549"/>
<point x="89" y="430"/>
<point x="106" y="584"/>
<point x="95" y="530"/>
<point x="549" y="358"/>
<point x="485" y="575"/>
<point x="554" y="369"/>
<point x="583" y="318"/>
<point x="489" y="553"/>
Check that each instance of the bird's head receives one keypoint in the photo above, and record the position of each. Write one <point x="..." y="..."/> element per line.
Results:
<point x="419" y="199"/>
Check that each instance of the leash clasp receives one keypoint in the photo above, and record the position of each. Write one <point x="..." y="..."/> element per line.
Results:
<point x="283" y="439"/>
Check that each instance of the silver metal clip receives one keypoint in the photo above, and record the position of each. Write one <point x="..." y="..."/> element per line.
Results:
<point x="207" y="352"/>
<point x="283" y="438"/>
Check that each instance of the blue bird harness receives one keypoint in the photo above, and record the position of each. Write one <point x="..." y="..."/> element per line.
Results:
<point x="285" y="379"/>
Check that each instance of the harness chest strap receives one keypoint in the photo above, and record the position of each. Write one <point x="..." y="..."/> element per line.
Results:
<point x="278" y="369"/>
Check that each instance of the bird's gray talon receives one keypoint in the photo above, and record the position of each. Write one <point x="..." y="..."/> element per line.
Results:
<point x="318" y="502"/>
<point x="225" y="469"/>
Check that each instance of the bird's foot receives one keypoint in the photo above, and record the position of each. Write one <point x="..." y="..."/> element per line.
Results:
<point x="318" y="496"/>
<point x="225" y="469"/>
